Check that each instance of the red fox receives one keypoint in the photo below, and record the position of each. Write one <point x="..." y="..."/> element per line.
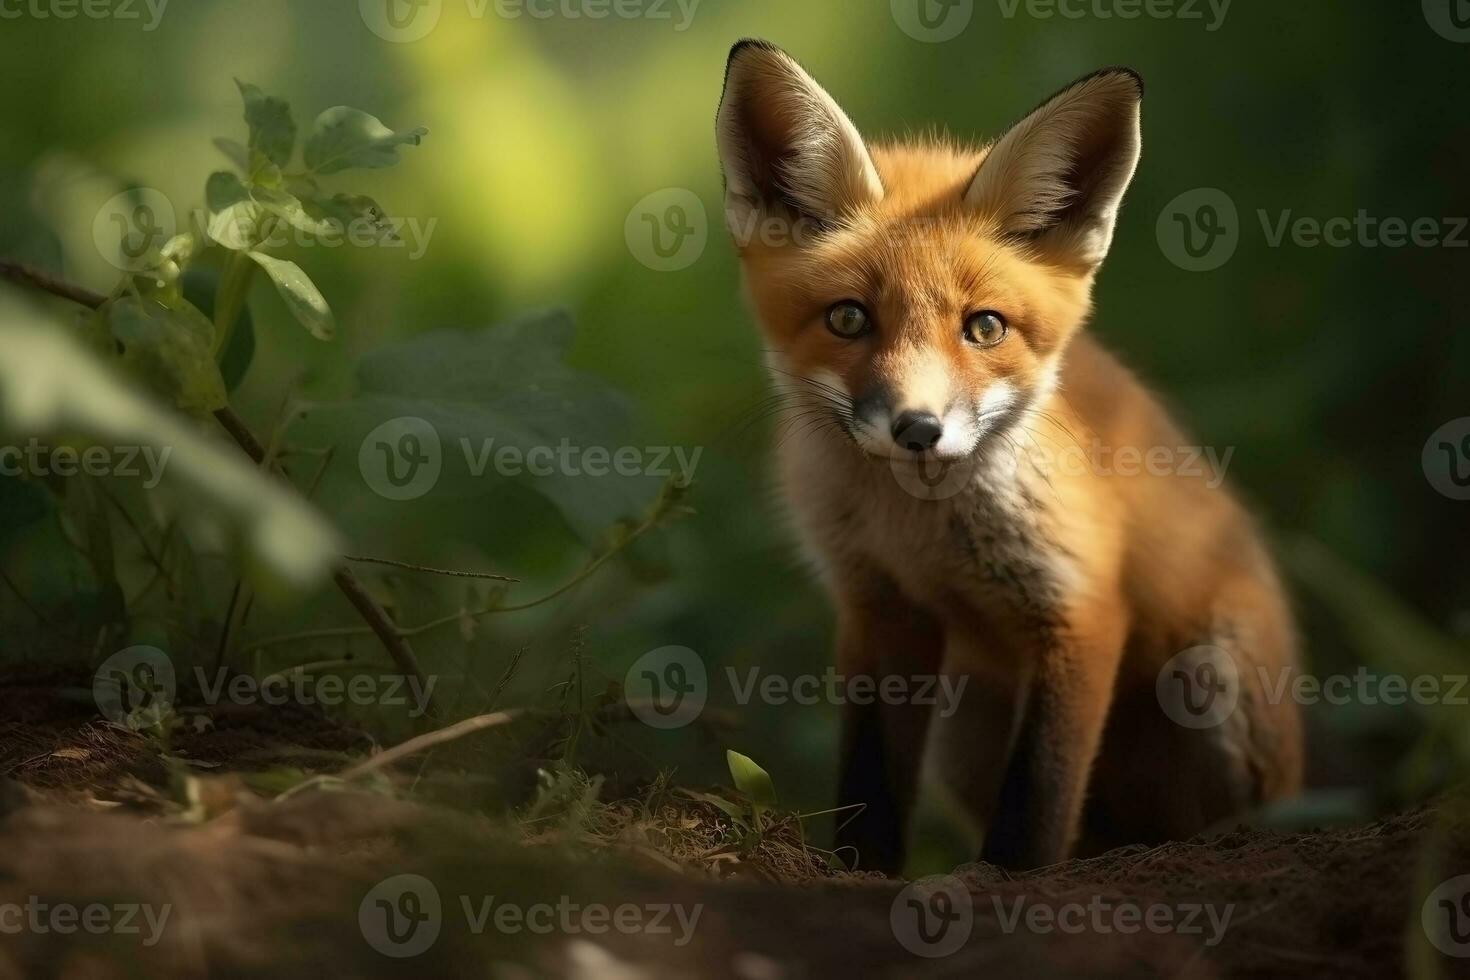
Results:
<point x="922" y="305"/>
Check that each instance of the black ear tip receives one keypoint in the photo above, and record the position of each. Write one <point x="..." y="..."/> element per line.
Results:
<point x="746" y="43"/>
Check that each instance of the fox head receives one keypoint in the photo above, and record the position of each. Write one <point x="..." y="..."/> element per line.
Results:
<point x="920" y="294"/>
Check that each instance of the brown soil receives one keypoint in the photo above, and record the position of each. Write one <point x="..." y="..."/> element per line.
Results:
<point x="289" y="888"/>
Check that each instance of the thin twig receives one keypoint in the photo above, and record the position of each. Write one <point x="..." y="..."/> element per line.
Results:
<point x="31" y="276"/>
<point x="432" y="571"/>
<point x="428" y="740"/>
<point x="338" y="632"/>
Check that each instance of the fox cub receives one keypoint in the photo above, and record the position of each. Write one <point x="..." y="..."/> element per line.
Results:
<point x="965" y="466"/>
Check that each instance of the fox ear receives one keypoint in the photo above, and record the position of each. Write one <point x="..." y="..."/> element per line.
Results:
<point x="1058" y="176"/>
<point x="784" y="141"/>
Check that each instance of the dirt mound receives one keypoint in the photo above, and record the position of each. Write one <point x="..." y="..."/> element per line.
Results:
<point x="317" y="884"/>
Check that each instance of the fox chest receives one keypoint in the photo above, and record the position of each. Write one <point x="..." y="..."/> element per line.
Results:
<point x="992" y="554"/>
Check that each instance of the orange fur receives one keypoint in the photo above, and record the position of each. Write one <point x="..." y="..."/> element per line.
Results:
<point x="1062" y="591"/>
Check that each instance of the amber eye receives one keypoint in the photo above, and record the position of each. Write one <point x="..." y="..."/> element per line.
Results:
<point x="985" y="329"/>
<point x="848" y="320"/>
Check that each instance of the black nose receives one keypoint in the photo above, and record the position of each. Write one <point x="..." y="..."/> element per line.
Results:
<point x="917" y="431"/>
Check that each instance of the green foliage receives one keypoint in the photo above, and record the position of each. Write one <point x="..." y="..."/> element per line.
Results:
<point x="170" y="349"/>
<point x="344" y="138"/>
<point x="752" y="781"/>
<point x="504" y="388"/>
<point x="248" y="207"/>
<point x="50" y="388"/>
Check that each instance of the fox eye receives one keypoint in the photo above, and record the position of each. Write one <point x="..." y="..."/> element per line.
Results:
<point x="985" y="329"/>
<point x="848" y="320"/>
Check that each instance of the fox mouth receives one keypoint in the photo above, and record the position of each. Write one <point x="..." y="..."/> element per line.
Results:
<point x="969" y="434"/>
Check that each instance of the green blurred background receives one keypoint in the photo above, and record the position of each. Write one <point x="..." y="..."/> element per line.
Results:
<point x="1326" y="368"/>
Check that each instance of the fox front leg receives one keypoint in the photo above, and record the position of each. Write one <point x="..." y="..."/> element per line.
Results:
<point x="881" y="634"/>
<point x="1039" y="813"/>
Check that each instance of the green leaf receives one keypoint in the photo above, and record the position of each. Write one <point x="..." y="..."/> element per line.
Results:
<point x="751" y="780"/>
<point x="51" y="389"/>
<point x="201" y="285"/>
<point x="170" y="350"/>
<point x="241" y="226"/>
<point x="730" y="809"/>
<point x="301" y="295"/>
<point x="237" y="152"/>
<point x="272" y="130"/>
<point x="501" y="388"/>
<point x="224" y="189"/>
<point x="289" y="208"/>
<point x="356" y="215"/>
<point x="343" y="138"/>
<point x="236" y="221"/>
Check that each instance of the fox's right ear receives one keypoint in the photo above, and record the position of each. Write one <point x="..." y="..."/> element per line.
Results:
<point x="784" y="142"/>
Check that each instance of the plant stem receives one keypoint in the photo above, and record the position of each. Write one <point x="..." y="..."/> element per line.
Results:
<point x="229" y="299"/>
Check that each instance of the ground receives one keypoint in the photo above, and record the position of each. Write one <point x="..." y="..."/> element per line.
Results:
<point x="308" y="883"/>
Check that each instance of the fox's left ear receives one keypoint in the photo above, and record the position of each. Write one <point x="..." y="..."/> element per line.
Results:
<point x="1057" y="177"/>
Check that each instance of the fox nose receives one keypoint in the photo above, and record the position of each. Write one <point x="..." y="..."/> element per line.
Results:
<point x="917" y="431"/>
